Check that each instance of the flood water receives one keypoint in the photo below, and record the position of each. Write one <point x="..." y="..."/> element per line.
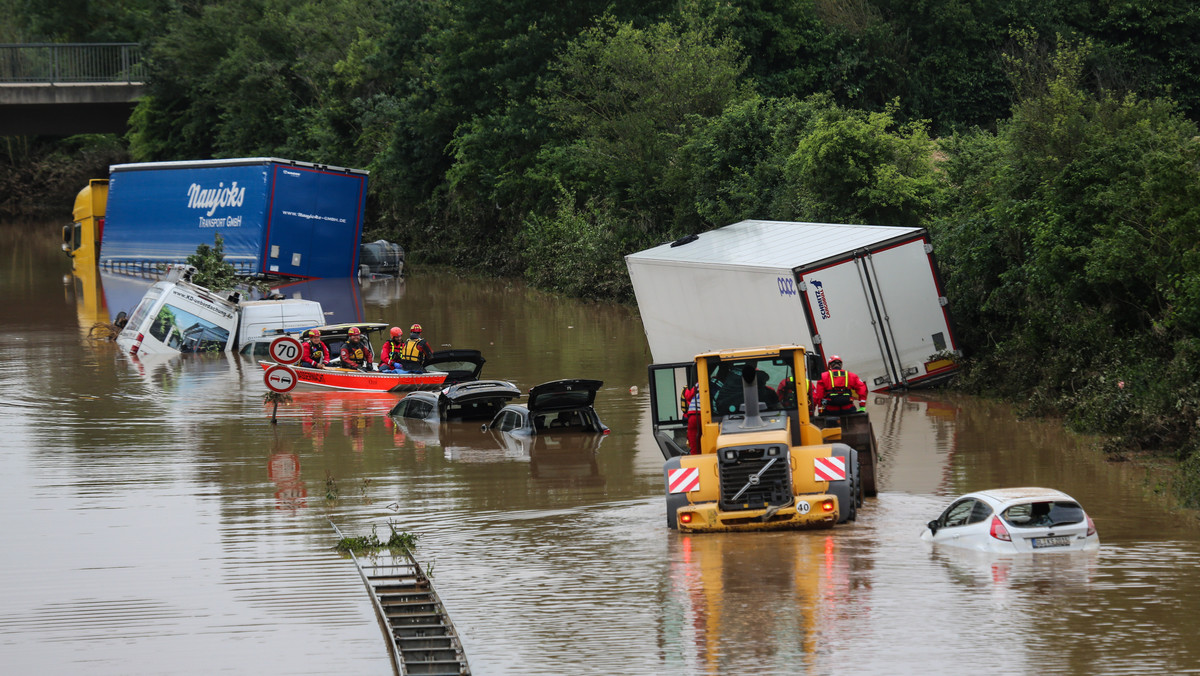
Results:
<point x="155" y="522"/>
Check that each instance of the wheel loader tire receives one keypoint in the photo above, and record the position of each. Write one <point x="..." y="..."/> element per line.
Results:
<point x="866" y="462"/>
<point x="674" y="500"/>
<point x="847" y="492"/>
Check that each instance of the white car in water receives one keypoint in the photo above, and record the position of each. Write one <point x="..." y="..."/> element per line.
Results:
<point x="1014" y="521"/>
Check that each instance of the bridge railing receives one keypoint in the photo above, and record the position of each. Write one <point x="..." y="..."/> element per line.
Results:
<point x="72" y="62"/>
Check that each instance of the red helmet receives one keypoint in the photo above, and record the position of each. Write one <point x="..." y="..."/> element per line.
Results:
<point x="397" y="332"/>
<point x="314" y="333"/>
<point x="834" y="359"/>
<point x="415" y="328"/>
<point x="354" y="331"/>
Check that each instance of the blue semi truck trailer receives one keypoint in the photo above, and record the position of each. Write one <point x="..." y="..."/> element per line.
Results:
<point x="275" y="217"/>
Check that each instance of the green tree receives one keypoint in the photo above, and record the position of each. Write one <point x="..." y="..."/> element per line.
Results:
<point x="732" y="165"/>
<point x="857" y="167"/>
<point x="625" y="99"/>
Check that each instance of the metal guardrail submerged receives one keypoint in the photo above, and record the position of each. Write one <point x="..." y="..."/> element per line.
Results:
<point x="68" y="62"/>
<point x="421" y="638"/>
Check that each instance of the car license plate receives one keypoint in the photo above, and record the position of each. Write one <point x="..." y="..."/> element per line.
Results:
<point x="1061" y="541"/>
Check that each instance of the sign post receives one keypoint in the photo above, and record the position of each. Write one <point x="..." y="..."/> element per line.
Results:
<point x="280" y="379"/>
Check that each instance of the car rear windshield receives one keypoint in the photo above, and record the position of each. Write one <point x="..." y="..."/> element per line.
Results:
<point x="1043" y="514"/>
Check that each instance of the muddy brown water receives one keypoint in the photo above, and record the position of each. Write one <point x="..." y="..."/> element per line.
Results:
<point x="155" y="522"/>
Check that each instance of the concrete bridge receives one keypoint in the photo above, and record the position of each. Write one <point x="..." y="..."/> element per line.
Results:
<point x="69" y="88"/>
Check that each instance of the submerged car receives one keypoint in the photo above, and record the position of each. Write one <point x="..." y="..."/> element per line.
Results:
<point x="460" y="366"/>
<point x="470" y="401"/>
<point x="558" y="406"/>
<point x="1013" y="521"/>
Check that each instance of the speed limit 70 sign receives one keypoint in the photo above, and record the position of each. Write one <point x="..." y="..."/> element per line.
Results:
<point x="285" y="350"/>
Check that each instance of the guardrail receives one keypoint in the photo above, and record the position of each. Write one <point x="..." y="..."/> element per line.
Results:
<point x="72" y="62"/>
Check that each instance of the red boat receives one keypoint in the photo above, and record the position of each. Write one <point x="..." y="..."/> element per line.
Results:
<point x="374" y="381"/>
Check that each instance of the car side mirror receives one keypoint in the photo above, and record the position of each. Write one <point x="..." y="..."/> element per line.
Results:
<point x="933" y="527"/>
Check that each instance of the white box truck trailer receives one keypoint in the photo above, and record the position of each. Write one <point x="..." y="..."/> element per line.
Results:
<point x="869" y="294"/>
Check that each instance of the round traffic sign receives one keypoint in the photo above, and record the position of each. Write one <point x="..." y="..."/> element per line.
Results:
<point x="285" y="350"/>
<point x="280" y="378"/>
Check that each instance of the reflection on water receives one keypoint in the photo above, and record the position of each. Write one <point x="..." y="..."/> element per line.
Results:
<point x="157" y="522"/>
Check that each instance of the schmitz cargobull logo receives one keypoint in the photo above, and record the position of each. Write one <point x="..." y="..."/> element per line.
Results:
<point x="822" y="302"/>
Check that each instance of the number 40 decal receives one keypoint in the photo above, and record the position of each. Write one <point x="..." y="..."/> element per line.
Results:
<point x="787" y="286"/>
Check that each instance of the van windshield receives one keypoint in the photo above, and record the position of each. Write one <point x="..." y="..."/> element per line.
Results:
<point x="186" y="332"/>
<point x="139" y="315"/>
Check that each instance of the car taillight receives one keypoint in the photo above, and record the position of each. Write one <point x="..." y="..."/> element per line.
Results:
<point x="605" y="433"/>
<point x="999" y="531"/>
<point x="1091" y="526"/>
<point x="827" y="505"/>
<point x="137" y="343"/>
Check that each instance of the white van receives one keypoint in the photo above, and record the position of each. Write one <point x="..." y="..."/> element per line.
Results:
<point x="176" y="316"/>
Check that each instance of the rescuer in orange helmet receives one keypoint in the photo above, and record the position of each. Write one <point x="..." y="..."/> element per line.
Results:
<point x="416" y="351"/>
<point x="357" y="353"/>
<point x="835" y="391"/>
<point x="392" y="349"/>
<point x="313" y="353"/>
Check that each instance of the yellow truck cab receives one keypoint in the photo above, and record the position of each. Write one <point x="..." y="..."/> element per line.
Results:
<point x="81" y="238"/>
<point x="761" y="463"/>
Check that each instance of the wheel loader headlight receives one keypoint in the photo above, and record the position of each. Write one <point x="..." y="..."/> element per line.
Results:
<point x="730" y="455"/>
<point x="773" y="451"/>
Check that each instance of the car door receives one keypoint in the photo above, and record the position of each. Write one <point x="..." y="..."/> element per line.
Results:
<point x="951" y="525"/>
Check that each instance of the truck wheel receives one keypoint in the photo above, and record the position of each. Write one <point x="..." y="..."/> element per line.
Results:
<point x="847" y="492"/>
<point x="866" y="462"/>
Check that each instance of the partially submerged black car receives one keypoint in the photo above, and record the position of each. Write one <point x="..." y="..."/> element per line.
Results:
<point x="557" y="406"/>
<point x="469" y="401"/>
<point x="460" y="365"/>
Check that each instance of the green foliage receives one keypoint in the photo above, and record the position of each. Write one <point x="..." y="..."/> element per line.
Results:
<point x="91" y="20"/>
<point x="733" y="163"/>
<point x="212" y="272"/>
<point x="855" y="167"/>
<point x="398" y="540"/>
<point x="40" y="176"/>
<point x="578" y="251"/>
<point x="1072" y="249"/>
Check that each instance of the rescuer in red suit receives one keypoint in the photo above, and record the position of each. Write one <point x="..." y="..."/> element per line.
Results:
<point x="314" y="353"/>
<point x="835" y="391"/>
<point x="689" y="403"/>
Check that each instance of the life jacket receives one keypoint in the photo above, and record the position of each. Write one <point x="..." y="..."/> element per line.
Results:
<point x="357" y="352"/>
<point x="391" y="350"/>
<point x="412" y="350"/>
<point x="689" y="400"/>
<point x="839" y="395"/>
<point x="316" y="353"/>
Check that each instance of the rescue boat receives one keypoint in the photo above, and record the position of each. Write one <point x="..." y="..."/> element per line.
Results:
<point x="364" y="381"/>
